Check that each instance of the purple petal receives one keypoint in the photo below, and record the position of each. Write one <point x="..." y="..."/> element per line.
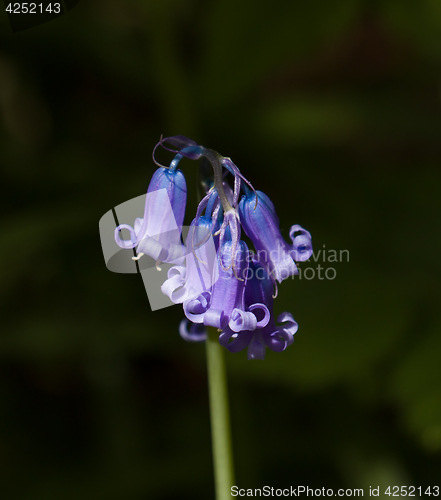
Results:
<point x="228" y="290"/>
<point x="196" y="308"/>
<point x="156" y="250"/>
<point x="201" y="266"/>
<point x="158" y="233"/>
<point x="266" y="314"/>
<point x="274" y="342"/>
<point x="192" y="332"/>
<point x="242" y="320"/>
<point x="239" y="342"/>
<point x="292" y="326"/>
<point x="283" y="336"/>
<point x="261" y="225"/>
<point x="215" y="318"/>
<point x="231" y="220"/>
<point x="302" y="244"/>
<point x="173" y="287"/>
<point x="126" y="243"/>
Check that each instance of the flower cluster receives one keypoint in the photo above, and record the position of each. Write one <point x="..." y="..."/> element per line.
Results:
<point x="219" y="281"/>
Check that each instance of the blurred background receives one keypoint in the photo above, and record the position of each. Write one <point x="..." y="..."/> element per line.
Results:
<point x="333" y="108"/>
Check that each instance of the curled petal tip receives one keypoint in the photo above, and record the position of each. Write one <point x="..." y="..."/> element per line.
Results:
<point x="301" y="243"/>
<point x="192" y="332"/>
<point x="126" y="244"/>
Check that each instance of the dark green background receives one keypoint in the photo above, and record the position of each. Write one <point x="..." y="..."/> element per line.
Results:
<point x="333" y="109"/>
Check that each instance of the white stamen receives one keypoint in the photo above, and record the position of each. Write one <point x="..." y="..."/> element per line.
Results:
<point x="157" y="265"/>
<point x="138" y="256"/>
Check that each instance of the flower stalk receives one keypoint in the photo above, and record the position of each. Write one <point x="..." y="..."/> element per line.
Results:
<point x="216" y="162"/>
<point x="219" y="416"/>
<point x="212" y="277"/>
<point x="226" y="289"/>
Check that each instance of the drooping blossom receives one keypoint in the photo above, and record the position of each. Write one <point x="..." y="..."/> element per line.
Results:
<point x="217" y="279"/>
<point x="261" y="224"/>
<point x="223" y="305"/>
<point x="258" y="292"/>
<point x="158" y="233"/>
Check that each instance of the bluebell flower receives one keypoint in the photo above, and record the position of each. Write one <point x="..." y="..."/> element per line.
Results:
<point x="158" y="233"/>
<point x="199" y="271"/>
<point x="259" y="292"/>
<point x="217" y="279"/>
<point x="261" y="224"/>
<point x="215" y="306"/>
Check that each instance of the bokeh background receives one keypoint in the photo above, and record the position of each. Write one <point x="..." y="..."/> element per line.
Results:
<point x="333" y="108"/>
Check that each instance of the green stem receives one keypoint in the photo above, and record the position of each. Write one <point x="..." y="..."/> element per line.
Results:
<point x="220" y="417"/>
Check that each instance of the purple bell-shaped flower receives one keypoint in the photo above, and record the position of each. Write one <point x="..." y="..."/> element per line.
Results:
<point x="158" y="233"/>
<point x="258" y="292"/>
<point x="223" y="304"/>
<point x="261" y="224"/>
